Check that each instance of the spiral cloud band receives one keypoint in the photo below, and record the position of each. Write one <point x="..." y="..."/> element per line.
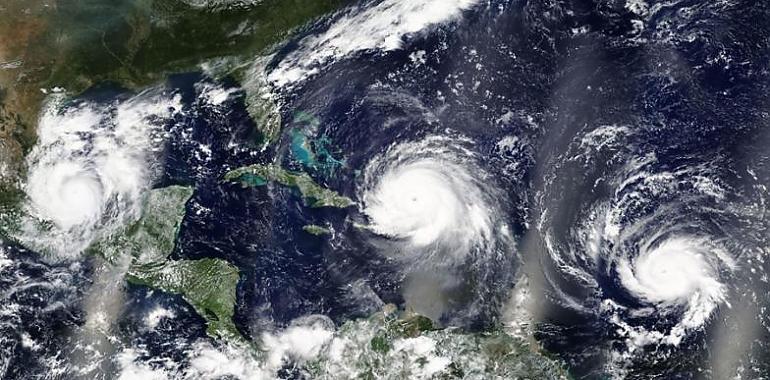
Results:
<point x="655" y="261"/>
<point x="672" y="273"/>
<point x="431" y="195"/>
<point x="681" y="271"/>
<point x="89" y="169"/>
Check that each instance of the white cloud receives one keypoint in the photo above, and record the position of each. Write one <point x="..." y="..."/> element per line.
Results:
<point x="379" y="27"/>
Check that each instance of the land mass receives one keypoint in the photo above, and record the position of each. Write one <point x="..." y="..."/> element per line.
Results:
<point x="209" y="284"/>
<point x="74" y="45"/>
<point x="314" y="194"/>
<point x="392" y="346"/>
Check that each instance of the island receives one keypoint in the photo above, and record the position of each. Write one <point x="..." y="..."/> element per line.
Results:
<point x="312" y="193"/>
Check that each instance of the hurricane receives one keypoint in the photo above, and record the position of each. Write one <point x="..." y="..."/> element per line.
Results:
<point x="90" y="168"/>
<point x="680" y="271"/>
<point x="385" y="189"/>
<point x="430" y="195"/>
<point x="659" y="260"/>
<point x="436" y="212"/>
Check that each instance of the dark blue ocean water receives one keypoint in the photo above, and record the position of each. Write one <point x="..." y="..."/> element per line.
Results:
<point x="691" y="86"/>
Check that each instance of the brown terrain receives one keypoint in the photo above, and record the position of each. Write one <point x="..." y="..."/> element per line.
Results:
<point x="74" y="44"/>
<point x="22" y="70"/>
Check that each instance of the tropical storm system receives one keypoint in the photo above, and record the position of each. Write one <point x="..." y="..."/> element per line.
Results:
<point x="384" y="189"/>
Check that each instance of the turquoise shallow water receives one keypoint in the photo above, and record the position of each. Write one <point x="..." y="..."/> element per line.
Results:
<point x="611" y="148"/>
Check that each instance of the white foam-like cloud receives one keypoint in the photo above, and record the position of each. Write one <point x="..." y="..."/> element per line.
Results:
<point x="671" y="272"/>
<point x="379" y="27"/>
<point x="304" y="340"/>
<point x="156" y="315"/>
<point x="681" y="271"/>
<point x="90" y="167"/>
<point x="430" y="194"/>
<point x="297" y="343"/>
<point x="209" y="362"/>
<point x="221" y="4"/>
<point x="134" y="369"/>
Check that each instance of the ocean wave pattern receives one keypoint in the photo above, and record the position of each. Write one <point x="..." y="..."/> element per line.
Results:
<point x="594" y="173"/>
<point x="647" y="185"/>
<point x="657" y="261"/>
<point x="375" y="26"/>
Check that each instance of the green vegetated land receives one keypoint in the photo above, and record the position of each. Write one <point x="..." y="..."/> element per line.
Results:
<point x="314" y="194"/>
<point x="136" y="42"/>
<point x="316" y="230"/>
<point x="207" y="284"/>
<point x="408" y="346"/>
<point x="76" y="44"/>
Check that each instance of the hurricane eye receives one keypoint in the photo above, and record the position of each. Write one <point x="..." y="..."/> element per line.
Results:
<point x="85" y="192"/>
<point x="410" y="193"/>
